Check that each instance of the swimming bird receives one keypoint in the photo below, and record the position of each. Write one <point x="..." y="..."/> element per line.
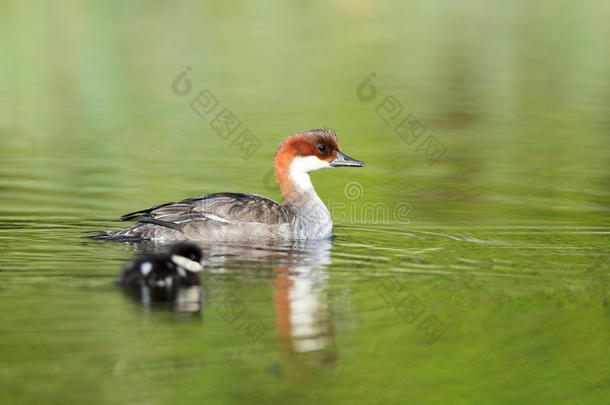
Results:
<point x="250" y="217"/>
<point x="179" y="267"/>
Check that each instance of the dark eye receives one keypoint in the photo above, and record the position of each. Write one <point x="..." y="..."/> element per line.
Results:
<point x="322" y="148"/>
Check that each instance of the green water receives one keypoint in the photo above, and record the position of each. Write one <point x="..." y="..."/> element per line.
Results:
<point x="479" y="278"/>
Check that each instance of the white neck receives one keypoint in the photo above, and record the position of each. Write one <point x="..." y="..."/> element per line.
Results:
<point x="299" y="172"/>
<point x="313" y="219"/>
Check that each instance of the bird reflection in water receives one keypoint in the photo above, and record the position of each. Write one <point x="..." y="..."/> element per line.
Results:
<point x="303" y="320"/>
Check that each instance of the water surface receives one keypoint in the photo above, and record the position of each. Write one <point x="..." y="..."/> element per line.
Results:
<point x="478" y="277"/>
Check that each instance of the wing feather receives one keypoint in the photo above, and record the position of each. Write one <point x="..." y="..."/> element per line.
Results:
<point x="219" y="207"/>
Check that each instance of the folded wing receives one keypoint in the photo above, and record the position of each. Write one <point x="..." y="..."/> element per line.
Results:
<point x="218" y="207"/>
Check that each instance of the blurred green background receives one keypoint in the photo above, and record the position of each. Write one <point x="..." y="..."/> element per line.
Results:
<point x="505" y="239"/>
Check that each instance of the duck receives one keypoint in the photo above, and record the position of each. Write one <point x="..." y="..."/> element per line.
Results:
<point x="250" y="217"/>
<point x="179" y="267"/>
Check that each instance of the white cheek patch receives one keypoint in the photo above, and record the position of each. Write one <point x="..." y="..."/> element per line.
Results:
<point x="300" y="168"/>
<point x="187" y="264"/>
<point x="145" y="268"/>
<point x="306" y="164"/>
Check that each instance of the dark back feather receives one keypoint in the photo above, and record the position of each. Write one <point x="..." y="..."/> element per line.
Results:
<point x="225" y="206"/>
